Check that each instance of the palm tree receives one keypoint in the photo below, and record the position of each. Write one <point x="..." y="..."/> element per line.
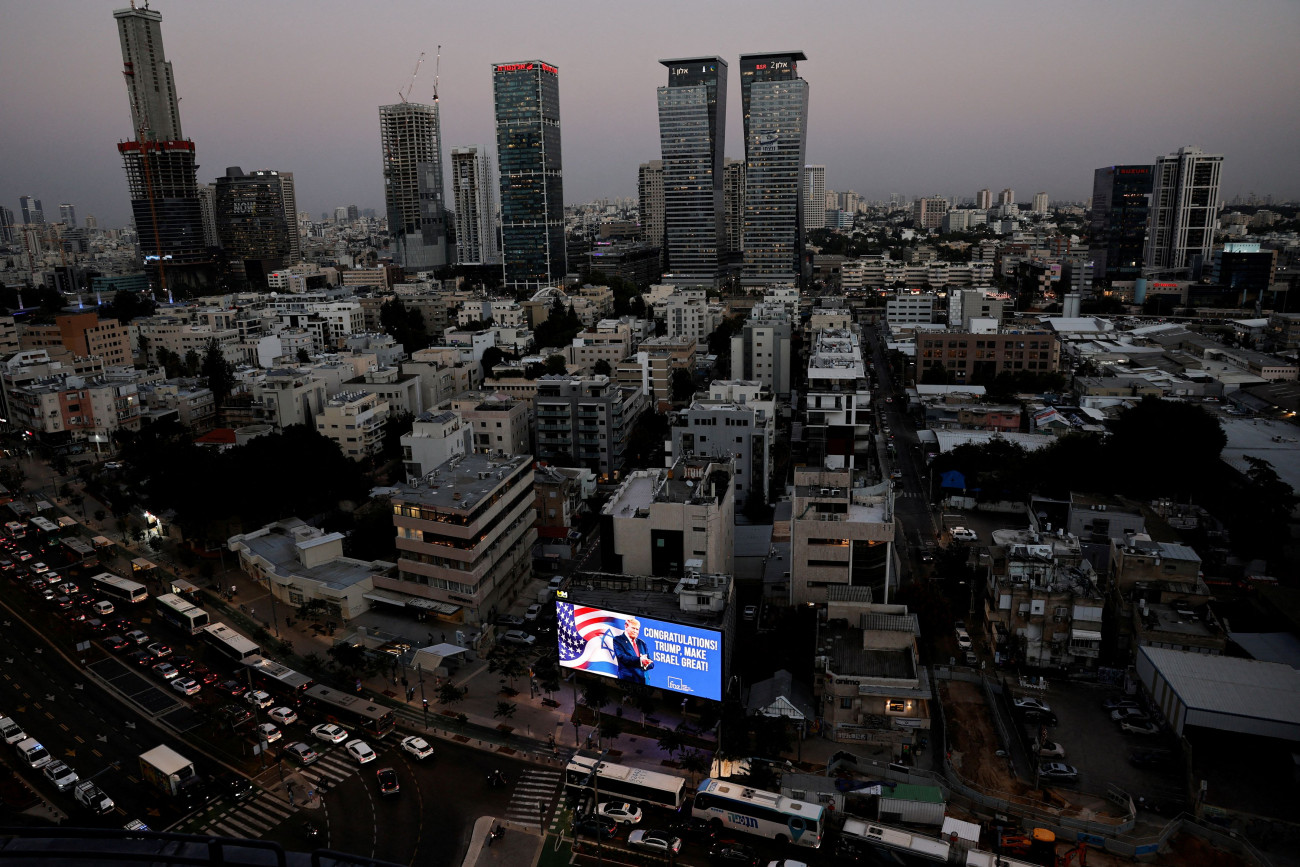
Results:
<point x="671" y="741"/>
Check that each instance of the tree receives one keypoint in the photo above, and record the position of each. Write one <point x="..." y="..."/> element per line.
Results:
<point x="504" y="710"/>
<point x="449" y="693"/>
<point x="610" y="727"/>
<point x="602" y="368"/>
<point x="397" y="425"/>
<point x="505" y="660"/>
<point x="217" y="372"/>
<point x="682" y="385"/>
<point x="303" y="356"/>
<point x="645" y="446"/>
<point x="350" y="659"/>
<point x="193" y="361"/>
<point x="169" y="361"/>
<point x="492" y="356"/>
<point x="555" y="364"/>
<point x="404" y="324"/>
<point x="694" y="763"/>
<point x="671" y="741"/>
<point x="595" y="694"/>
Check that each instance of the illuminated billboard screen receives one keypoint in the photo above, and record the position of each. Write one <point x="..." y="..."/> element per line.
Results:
<point x="634" y="649"/>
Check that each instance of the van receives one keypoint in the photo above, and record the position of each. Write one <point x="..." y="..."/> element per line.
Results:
<point x="104" y="608"/>
<point x="33" y="753"/>
<point x="11" y="731"/>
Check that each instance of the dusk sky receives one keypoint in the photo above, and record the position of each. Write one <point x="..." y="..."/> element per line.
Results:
<point x="914" y="98"/>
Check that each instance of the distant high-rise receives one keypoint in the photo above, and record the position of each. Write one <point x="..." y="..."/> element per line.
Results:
<point x="208" y="214"/>
<point x="1040" y="203"/>
<point x="6" y="225"/>
<point x="353" y="214"/>
<point x="1121" y="206"/>
<point x="984" y="199"/>
<point x="341" y="215"/>
<point x="473" y="190"/>
<point x="1007" y="197"/>
<point x="159" y="161"/>
<point x="928" y="211"/>
<point x="733" y="205"/>
<point x="68" y="215"/>
<point x="774" y="100"/>
<point x="33" y="213"/>
<point x="413" y="191"/>
<point x="257" y="220"/>
<point x="527" y="106"/>
<point x="692" y="132"/>
<point x="1184" y="206"/>
<point x="650" y="201"/>
<point x="91" y="222"/>
<point x="814" y="206"/>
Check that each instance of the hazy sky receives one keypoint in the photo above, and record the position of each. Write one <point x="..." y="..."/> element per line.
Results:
<point x="909" y="97"/>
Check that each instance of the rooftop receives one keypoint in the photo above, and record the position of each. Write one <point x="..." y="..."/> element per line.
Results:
<point x="1248" y="688"/>
<point x="462" y="482"/>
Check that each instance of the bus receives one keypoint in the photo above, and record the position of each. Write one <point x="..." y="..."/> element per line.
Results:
<point x="352" y="711"/>
<point x="185" y="616"/>
<point x="738" y="807"/>
<point x="646" y="788"/>
<point x="77" y="549"/>
<point x="44" y="525"/>
<point x="276" y="678"/>
<point x="118" y="588"/>
<point x="863" y="839"/>
<point x="230" y="642"/>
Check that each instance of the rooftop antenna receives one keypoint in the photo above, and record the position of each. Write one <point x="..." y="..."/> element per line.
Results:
<point x="402" y="94"/>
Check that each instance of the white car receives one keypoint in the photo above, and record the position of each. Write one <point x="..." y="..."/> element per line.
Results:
<point x="656" y="841"/>
<point x="1051" y="749"/>
<point x="516" y="636"/>
<point x="60" y="774"/>
<point x="1031" y="703"/>
<point x="38" y="568"/>
<point x="360" y="751"/>
<point x="269" y="732"/>
<point x="283" y="715"/>
<point x="417" y="747"/>
<point x="330" y="733"/>
<point x="963" y="639"/>
<point x="257" y="698"/>
<point x="620" y="811"/>
<point x="534" y="611"/>
<point x="186" y="685"/>
<point x="962" y="534"/>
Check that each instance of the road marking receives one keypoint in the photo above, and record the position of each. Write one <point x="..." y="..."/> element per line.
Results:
<point x="78" y="739"/>
<point x="64" y="726"/>
<point x="97" y="753"/>
<point x="248" y="819"/>
<point x="225" y="832"/>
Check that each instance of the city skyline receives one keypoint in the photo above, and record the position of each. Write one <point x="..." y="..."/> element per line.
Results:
<point x="1019" y="116"/>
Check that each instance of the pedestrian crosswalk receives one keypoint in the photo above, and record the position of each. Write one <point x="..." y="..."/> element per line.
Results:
<point x="250" y="819"/>
<point x="329" y="770"/>
<point x="532" y="797"/>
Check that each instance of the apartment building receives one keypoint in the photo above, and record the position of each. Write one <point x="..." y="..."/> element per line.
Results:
<point x="81" y="335"/>
<point x="737" y="426"/>
<point x="434" y="439"/>
<point x="761" y="350"/>
<point x="610" y="341"/>
<point x="909" y="308"/>
<point x="971" y="357"/>
<point x="651" y="367"/>
<point x="464" y="537"/>
<point x="499" y="422"/>
<point x="69" y="408"/>
<point x="586" y="422"/>
<point x="837" y="424"/>
<point x="355" y="420"/>
<point x="840" y="535"/>
<point x="286" y="396"/>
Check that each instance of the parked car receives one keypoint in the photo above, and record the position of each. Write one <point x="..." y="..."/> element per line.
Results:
<point x="515" y="636"/>
<point x="388" y="783"/>
<point x="1119" y="704"/>
<point x="963" y="534"/>
<point x="620" y="811"/>
<point x="963" y="639"/>
<point x="510" y="621"/>
<point x="655" y="841"/>
<point x="1127" y="713"/>
<point x="417" y="747"/>
<point x="330" y="733"/>
<point x="1029" y="702"/>
<point x="302" y="753"/>
<point x="283" y="715"/>
<point x="1051" y="749"/>
<point x="1139" y="727"/>
<point x="360" y="750"/>
<point x="728" y="852"/>
<point x="1041" y="717"/>
<point x="1058" y="771"/>
<point x="60" y="775"/>
<point x="750" y="612"/>
<point x="534" y="611"/>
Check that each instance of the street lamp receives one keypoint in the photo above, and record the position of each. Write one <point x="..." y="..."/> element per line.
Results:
<point x="593" y="779"/>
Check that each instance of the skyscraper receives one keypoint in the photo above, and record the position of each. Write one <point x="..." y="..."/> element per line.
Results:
<point x="527" y="104"/>
<point x="692" y="132"/>
<point x="473" y="192"/>
<point x="775" y="103"/>
<point x="256" y="217"/>
<point x="159" y="161"/>
<point x="1184" y="205"/>
<point x="984" y="199"/>
<point x="650" y="201"/>
<point x="413" y="192"/>
<point x="814" y="205"/>
<point x="1121" y="205"/>
<point x="68" y="215"/>
<point x="733" y="193"/>
<point x="1007" y="197"/>
<point x="33" y="214"/>
<point x="1040" y="203"/>
<point x="6" y="225"/>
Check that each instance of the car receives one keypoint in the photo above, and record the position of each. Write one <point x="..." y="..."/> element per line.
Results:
<point x="1139" y="727"/>
<point x="330" y="733"/>
<point x="963" y="534"/>
<point x="360" y="750"/>
<point x="233" y="688"/>
<point x="417" y="747"/>
<point x="75" y="617"/>
<point x="268" y="732"/>
<point x="963" y="639"/>
<point x="24" y="556"/>
<point x="1059" y="771"/>
<point x="7" y="565"/>
<point x="138" y="636"/>
<point x="283" y="715"/>
<point x="1127" y="713"/>
<point x="166" y="671"/>
<point x="534" y="611"/>
<point x="1051" y="749"/>
<point x="235" y="787"/>
<point x="510" y="621"/>
<point x="693" y="829"/>
<point x="139" y="657"/>
<point x="116" y="642"/>
<point x="186" y="685"/>
<point x="620" y="811"/>
<point x="727" y="852"/>
<point x="233" y="715"/>
<point x="515" y="636"/>
<point x="63" y="602"/>
<point x="1119" y="704"/>
<point x="302" y="753"/>
<point x="207" y="677"/>
<point x="60" y="775"/>
<point x="895" y="474"/>
<point x="94" y="624"/>
<point x="1042" y="717"/>
<point x="258" y="698"/>
<point x="184" y="663"/>
<point x="786" y="862"/>
<point x="592" y="825"/>
<point x="750" y="612"/>
<point x="104" y="608"/>
<point x="655" y="841"/>
<point x="1028" y="702"/>
<point x="38" y="568"/>
<point x="1149" y="758"/>
<point x="388" y="783"/>
<point x="159" y="650"/>
<point x="69" y="589"/>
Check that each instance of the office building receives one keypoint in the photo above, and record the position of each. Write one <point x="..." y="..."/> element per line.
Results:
<point x="7" y="232"/>
<point x="527" y="106"/>
<point x="774" y="100"/>
<point x="650" y="201"/>
<point x="464" y="537"/>
<point x="983" y="200"/>
<point x="1245" y="268"/>
<point x="473" y="190"/>
<point x="928" y="211"/>
<point x="978" y="357"/>
<point x="256" y="220"/>
<point x="1121" y="203"/>
<point x="733" y="205"/>
<point x="814" y="205"/>
<point x="68" y="215"/>
<point x="692" y="131"/>
<point x="413" y="188"/>
<point x="33" y="214"/>
<point x="1184" y="207"/>
<point x="1040" y="203"/>
<point x="1007" y="197"/>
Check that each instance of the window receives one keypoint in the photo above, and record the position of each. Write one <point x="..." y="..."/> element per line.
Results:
<point x="846" y="702"/>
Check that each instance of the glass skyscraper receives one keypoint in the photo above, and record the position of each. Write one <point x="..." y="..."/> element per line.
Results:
<point x="413" y="191"/>
<point x="775" y="103"/>
<point x="527" y="101"/>
<point x="256" y="220"/>
<point x="1121" y="204"/>
<point x="692" y="127"/>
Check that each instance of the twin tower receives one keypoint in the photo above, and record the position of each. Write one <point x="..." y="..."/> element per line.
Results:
<point x="692" y="134"/>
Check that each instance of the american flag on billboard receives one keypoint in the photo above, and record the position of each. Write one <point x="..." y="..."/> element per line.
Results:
<point x="585" y="638"/>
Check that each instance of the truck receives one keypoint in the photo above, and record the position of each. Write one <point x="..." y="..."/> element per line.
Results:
<point x="169" y="772"/>
<point x="92" y="797"/>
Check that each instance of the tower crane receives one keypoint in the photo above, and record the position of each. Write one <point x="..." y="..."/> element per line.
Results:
<point x="437" y="67"/>
<point x="402" y="94"/>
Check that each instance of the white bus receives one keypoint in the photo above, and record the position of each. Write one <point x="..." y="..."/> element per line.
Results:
<point x="185" y="616"/>
<point x="646" y="788"/>
<point x="118" y="588"/>
<point x="860" y="838"/>
<point x="725" y="804"/>
<point x="44" y="525"/>
<point x="230" y="642"/>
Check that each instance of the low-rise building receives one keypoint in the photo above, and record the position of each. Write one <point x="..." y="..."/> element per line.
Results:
<point x="434" y="439"/>
<point x="840" y="535"/>
<point x="499" y="422"/>
<point x="355" y="420"/>
<point x="562" y="494"/>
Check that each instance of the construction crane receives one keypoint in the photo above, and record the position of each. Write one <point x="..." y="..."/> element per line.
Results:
<point x="403" y="94"/>
<point x="437" y="68"/>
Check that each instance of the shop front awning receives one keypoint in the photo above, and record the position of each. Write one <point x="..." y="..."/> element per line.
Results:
<point x="1084" y="635"/>
<point x="406" y="600"/>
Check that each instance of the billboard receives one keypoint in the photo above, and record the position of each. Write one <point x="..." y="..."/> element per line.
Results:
<point x="630" y="648"/>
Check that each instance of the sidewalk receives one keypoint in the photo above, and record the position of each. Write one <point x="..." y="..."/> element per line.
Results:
<point x="516" y="846"/>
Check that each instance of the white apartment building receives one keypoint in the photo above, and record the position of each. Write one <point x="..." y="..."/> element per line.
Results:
<point x="434" y="439"/>
<point x="354" y="420"/>
<point x="761" y="350"/>
<point x="907" y="308"/>
<point x="840" y="536"/>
